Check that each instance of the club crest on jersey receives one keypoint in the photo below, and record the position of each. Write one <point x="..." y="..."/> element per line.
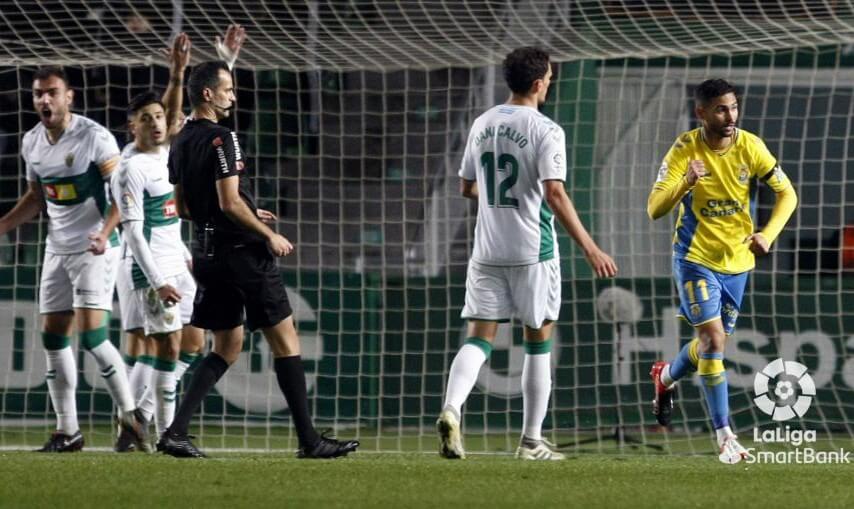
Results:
<point x="743" y="174"/>
<point x="695" y="310"/>
<point x="127" y="200"/>
<point x="69" y="160"/>
<point x="217" y="142"/>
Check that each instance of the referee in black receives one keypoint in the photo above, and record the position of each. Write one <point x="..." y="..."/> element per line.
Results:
<point x="234" y="264"/>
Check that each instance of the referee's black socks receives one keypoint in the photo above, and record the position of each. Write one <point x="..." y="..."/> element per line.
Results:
<point x="291" y="377"/>
<point x="209" y="371"/>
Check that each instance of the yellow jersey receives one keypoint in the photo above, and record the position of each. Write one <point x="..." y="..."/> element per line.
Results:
<point x="715" y="215"/>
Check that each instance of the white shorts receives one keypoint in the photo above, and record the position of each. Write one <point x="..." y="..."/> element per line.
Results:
<point x="131" y="313"/>
<point x="530" y="293"/>
<point x="160" y="318"/>
<point x="79" y="280"/>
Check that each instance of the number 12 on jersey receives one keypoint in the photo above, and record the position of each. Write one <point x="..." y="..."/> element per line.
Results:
<point x="506" y="164"/>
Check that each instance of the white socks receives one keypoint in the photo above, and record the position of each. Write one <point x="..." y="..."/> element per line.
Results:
<point x="165" y="384"/>
<point x="62" y="384"/>
<point x="464" y="370"/>
<point x="666" y="379"/>
<point x="141" y="381"/>
<point x="113" y="370"/>
<point x="722" y="434"/>
<point x="536" y="381"/>
<point x="536" y="387"/>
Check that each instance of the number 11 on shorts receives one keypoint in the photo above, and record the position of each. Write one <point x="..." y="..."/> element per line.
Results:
<point x="702" y="286"/>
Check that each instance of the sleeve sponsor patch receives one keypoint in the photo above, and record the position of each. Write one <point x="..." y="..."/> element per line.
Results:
<point x="776" y="175"/>
<point x="662" y="173"/>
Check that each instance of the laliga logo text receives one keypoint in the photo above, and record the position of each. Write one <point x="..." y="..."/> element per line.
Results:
<point x="791" y="397"/>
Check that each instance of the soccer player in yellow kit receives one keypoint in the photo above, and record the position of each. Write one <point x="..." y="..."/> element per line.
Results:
<point x="711" y="173"/>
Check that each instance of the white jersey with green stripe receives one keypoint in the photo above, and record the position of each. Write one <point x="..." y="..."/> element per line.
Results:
<point x="510" y="151"/>
<point x="143" y="192"/>
<point x="68" y="172"/>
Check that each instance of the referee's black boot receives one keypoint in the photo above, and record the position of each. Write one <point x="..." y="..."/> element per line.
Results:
<point x="328" y="448"/>
<point x="178" y="446"/>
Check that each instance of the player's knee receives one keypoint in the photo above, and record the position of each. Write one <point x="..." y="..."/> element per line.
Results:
<point x="229" y="350"/>
<point x="167" y="347"/>
<point x="711" y="341"/>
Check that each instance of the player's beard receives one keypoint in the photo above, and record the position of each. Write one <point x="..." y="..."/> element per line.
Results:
<point x="725" y="131"/>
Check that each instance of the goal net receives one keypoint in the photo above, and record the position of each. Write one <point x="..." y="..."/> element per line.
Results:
<point x="353" y="117"/>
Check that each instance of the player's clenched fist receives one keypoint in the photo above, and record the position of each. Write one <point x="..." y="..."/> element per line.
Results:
<point x="696" y="171"/>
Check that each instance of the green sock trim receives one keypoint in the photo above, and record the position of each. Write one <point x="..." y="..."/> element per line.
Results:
<point x="130" y="360"/>
<point x="481" y="343"/>
<point x="188" y="358"/>
<point x="146" y="359"/>
<point x="93" y="338"/>
<point x="53" y="341"/>
<point x="538" y="347"/>
<point x="164" y="365"/>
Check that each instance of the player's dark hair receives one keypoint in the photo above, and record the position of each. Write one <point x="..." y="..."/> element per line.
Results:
<point x="711" y="89"/>
<point x="523" y="66"/>
<point x="204" y="75"/>
<point x="49" y="71"/>
<point x="142" y="100"/>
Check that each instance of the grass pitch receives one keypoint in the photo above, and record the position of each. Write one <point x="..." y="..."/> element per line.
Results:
<point x="102" y="479"/>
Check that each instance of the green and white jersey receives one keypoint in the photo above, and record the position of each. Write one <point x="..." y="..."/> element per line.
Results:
<point x="143" y="192"/>
<point x="71" y="181"/>
<point x="510" y="151"/>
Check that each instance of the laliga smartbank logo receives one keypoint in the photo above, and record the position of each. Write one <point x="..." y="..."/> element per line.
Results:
<point x="786" y="375"/>
<point x="784" y="390"/>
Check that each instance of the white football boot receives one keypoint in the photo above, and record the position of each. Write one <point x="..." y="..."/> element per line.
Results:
<point x="537" y="450"/>
<point x="450" y="438"/>
<point x="731" y="451"/>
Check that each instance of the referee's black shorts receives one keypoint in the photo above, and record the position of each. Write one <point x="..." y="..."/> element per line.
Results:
<point x="238" y="278"/>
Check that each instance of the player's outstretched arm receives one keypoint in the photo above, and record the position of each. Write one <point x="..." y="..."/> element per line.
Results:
<point x="228" y="47"/>
<point x="173" y="98"/>
<point x="666" y="194"/>
<point x="559" y="202"/>
<point x="784" y="206"/>
<point x="28" y="207"/>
